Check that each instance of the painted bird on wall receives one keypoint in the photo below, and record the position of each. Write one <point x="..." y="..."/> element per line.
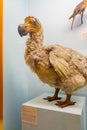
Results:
<point x="79" y="9"/>
<point x="58" y="66"/>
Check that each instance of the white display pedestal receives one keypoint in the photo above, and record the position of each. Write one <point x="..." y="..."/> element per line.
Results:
<point x="39" y="114"/>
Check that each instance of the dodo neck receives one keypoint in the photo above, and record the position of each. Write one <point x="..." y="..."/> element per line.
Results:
<point x="35" y="41"/>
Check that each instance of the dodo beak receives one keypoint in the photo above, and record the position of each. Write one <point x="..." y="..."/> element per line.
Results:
<point x="22" y="30"/>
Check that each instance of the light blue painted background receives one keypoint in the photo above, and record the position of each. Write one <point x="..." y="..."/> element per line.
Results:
<point x="20" y="84"/>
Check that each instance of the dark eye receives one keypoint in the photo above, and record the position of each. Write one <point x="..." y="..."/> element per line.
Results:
<point x="34" y="23"/>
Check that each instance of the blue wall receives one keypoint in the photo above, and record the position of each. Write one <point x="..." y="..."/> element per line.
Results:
<point x="20" y="84"/>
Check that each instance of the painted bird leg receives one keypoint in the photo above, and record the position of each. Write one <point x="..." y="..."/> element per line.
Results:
<point x="82" y="17"/>
<point x="65" y="103"/>
<point x="72" y="23"/>
<point x="54" y="97"/>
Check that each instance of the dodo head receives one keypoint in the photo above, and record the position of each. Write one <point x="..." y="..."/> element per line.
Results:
<point x="31" y="25"/>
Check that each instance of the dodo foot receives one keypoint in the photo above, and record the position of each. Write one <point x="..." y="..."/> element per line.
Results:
<point x="49" y="98"/>
<point x="63" y="104"/>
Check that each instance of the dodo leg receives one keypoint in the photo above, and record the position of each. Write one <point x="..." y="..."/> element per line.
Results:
<point x="54" y="97"/>
<point x="65" y="103"/>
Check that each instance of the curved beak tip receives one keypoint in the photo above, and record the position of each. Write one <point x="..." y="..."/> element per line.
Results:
<point x="20" y="31"/>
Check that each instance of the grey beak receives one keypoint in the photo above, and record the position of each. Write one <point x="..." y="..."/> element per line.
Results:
<point x="22" y="31"/>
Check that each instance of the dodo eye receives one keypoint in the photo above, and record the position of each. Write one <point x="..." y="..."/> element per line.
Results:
<point x="34" y="23"/>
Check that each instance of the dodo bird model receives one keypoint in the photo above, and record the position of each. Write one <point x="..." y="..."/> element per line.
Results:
<point x="55" y="65"/>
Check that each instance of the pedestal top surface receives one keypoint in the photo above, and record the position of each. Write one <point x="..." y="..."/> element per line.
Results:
<point x="39" y="102"/>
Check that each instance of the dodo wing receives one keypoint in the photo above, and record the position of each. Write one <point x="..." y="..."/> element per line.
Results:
<point x="59" y="64"/>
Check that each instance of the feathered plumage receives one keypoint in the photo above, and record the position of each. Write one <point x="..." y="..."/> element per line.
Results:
<point x="59" y="67"/>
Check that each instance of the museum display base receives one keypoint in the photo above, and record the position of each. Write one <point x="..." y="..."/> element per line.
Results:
<point x="39" y="114"/>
